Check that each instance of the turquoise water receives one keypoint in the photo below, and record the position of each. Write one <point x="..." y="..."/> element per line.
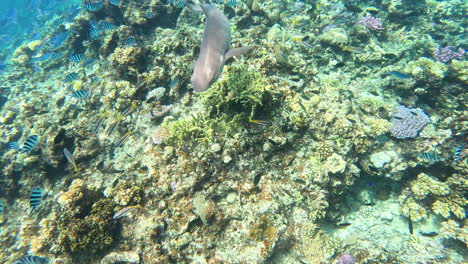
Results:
<point x="239" y="132"/>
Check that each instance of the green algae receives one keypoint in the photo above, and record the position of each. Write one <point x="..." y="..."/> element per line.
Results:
<point x="90" y="232"/>
<point x="240" y="91"/>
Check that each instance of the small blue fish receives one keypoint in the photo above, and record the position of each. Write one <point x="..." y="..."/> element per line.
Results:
<point x="71" y="77"/>
<point x="149" y="14"/>
<point x="29" y="144"/>
<point x="58" y="39"/>
<point x="458" y="151"/>
<point x="80" y="94"/>
<point x="115" y="2"/>
<point x="94" y="79"/>
<point x="93" y="6"/>
<point x="76" y="57"/>
<point x="35" y="198"/>
<point x="31" y="260"/>
<point x="1" y="207"/>
<point x="400" y="75"/>
<point x="231" y="3"/>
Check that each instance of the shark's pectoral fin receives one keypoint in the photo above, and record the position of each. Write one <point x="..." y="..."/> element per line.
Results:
<point x="236" y="51"/>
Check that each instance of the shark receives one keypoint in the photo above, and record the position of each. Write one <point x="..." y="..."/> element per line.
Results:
<point x="215" y="48"/>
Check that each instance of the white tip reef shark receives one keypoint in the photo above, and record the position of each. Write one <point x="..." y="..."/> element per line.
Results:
<point x="215" y="48"/>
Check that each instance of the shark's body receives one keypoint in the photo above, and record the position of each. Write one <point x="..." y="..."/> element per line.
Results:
<point x="214" y="49"/>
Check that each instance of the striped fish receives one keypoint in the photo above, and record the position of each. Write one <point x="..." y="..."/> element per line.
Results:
<point x="178" y="3"/>
<point x="29" y="144"/>
<point x="173" y="83"/>
<point x="430" y="156"/>
<point x="80" y="94"/>
<point x="130" y="41"/>
<point x="99" y="122"/>
<point x="58" y="22"/>
<point x="31" y="260"/>
<point x="76" y="57"/>
<point x="94" y="33"/>
<point x="71" y="77"/>
<point x="458" y="151"/>
<point x="123" y="139"/>
<point x="106" y="26"/>
<point x="231" y="3"/>
<point x="35" y="198"/>
<point x="93" y="6"/>
<point x="14" y="145"/>
<point x="55" y="56"/>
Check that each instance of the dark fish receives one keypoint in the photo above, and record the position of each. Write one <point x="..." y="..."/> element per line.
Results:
<point x="76" y="57"/>
<point x="400" y="75"/>
<point x="29" y="144"/>
<point x="1" y="207"/>
<point x="93" y="6"/>
<point x="80" y="94"/>
<point x="35" y="198"/>
<point x="429" y="234"/>
<point x="353" y="49"/>
<point x="214" y="50"/>
<point x="410" y="223"/>
<point x="31" y="260"/>
<point x="343" y="224"/>
<point x="71" y="77"/>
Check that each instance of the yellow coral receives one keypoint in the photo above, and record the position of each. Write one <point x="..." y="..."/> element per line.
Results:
<point x="451" y="229"/>
<point x="454" y="203"/>
<point x="426" y="184"/>
<point x="411" y="207"/>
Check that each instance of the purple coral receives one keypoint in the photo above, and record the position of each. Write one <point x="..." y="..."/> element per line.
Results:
<point x="371" y="22"/>
<point x="447" y="54"/>
<point x="407" y="122"/>
<point x="346" y="259"/>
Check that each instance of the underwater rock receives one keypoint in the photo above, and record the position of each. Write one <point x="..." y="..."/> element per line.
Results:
<point x="121" y="257"/>
<point x="379" y="159"/>
<point x="202" y="207"/>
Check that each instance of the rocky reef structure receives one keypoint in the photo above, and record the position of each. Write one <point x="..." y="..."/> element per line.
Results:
<point x="288" y="157"/>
